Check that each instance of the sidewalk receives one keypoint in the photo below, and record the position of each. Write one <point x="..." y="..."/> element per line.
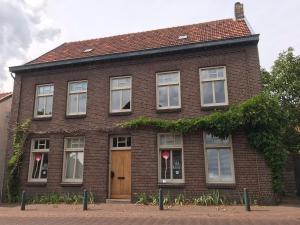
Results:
<point x="132" y="214"/>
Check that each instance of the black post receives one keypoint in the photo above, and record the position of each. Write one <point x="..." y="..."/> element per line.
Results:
<point x="246" y="200"/>
<point x="161" y="199"/>
<point x="23" y="200"/>
<point x="85" y="196"/>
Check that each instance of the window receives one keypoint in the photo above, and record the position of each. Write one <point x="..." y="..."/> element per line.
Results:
<point x="77" y="95"/>
<point x="168" y="90"/>
<point x="120" y="94"/>
<point x="121" y="142"/>
<point x="73" y="159"/>
<point x="44" y="100"/>
<point x="170" y="155"/>
<point x="219" y="159"/>
<point x="38" y="166"/>
<point x="213" y="86"/>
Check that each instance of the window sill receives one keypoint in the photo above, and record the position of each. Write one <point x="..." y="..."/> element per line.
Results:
<point x="71" y="184"/>
<point x="207" y="108"/>
<point x="36" y="183"/>
<point x="171" y="185"/>
<point x="42" y="118"/>
<point x="221" y="185"/>
<point x="79" y="116"/>
<point x="168" y="110"/>
<point x="120" y="113"/>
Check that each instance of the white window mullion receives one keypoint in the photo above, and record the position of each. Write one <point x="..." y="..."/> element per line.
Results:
<point x="213" y="91"/>
<point x="219" y="164"/>
<point x="74" y="169"/>
<point x="168" y="93"/>
<point x="41" y="163"/>
<point x="171" y="164"/>
<point x="77" y="102"/>
<point x="121" y="98"/>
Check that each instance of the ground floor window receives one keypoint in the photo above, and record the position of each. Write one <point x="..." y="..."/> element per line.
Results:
<point x="218" y="159"/>
<point x="38" y="166"/>
<point x="73" y="159"/>
<point x="170" y="155"/>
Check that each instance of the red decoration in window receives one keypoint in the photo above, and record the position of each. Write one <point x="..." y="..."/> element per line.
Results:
<point x="38" y="157"/>
<point x="165" y="154"/>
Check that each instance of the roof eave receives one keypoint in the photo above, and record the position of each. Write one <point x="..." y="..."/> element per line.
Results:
<point x="146" y="52"/>
<point x="6" y="97"/>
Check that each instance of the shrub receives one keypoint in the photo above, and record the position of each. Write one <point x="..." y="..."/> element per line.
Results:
<point x="142" y="198"/>
<point x="56" y="198"/>
<point x="212" y="198"/>
<point x="180" y="200"/>
<point x="154" y="199"/>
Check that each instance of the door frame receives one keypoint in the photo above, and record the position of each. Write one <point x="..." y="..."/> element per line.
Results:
<point x="111" y="148"/>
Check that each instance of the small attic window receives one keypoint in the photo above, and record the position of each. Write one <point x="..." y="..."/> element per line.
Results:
<point x="182" y="37"/>
<point x="87" y="50"/>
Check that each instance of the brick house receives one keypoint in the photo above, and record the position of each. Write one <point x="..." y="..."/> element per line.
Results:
<point x="78" y="93"/>
<point x="5" y="108"/>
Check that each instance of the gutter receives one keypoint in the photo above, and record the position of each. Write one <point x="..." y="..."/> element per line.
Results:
<point x="146" y="52"/>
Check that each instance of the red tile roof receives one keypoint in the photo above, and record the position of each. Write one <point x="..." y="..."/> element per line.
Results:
<point x="202" y="32"/>
<point x="5" y="95"/>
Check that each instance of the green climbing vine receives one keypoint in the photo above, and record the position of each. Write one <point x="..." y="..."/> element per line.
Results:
<point x="262" y="118"/>
<point x="15" y="162"/>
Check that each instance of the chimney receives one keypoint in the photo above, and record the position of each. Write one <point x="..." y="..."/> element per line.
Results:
<point x="239" y="11"/>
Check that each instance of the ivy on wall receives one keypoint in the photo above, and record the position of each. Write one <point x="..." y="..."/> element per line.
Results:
<point x="262" y="118"/>
<point x="15" y="162"/>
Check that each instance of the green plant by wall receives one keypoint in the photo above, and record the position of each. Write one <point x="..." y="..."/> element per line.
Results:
<point x="56" y="198"/>
<point x="262" y="119"/>
<point x="180" y="200"/>
<point x="15" y="162"/>
<point x="212" y="198"/>
<point x="142" y="198"/>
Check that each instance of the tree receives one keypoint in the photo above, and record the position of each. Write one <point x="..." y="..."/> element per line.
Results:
<point x="284" y="81"/>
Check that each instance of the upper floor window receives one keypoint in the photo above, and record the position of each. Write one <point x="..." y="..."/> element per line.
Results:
<point x="168" y="90"/>
<point x="218" y="159"/>
<point x="213" y="86"/>
<point x="38" y="166"/>
<point x="73" y="159"/>
<point x="44" y="100"/>
<point x="120" y="94"/>
<point x="77" y="95"/>
<point x="170" y="155"/>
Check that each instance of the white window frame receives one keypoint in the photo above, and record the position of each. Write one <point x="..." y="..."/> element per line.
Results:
<point x="120" y="148"/>
<point x="168" y="85"/>
<point x="66" y="150"/>
<point x="31" y="160"/>
<point x="170" y="147"/>
<point x="213" y="88"/>
<point x="74" y="93"/>
<point x="218" y="180"/>
<point x="120" y="89"/>
<point x="37" y="96"/>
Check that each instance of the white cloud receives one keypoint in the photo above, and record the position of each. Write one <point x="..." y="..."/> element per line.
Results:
<point x="22" y="22"/>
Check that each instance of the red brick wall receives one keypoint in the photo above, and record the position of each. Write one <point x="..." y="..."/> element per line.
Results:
<point x="243" y="78"/>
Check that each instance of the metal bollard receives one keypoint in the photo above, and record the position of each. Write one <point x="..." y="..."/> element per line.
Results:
<point x="246" y="200"/>
<point x="85" y="199"/>
<point x="161" y="199"/>
<point x="23" y="200"/>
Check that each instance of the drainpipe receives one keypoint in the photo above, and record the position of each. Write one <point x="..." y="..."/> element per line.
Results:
<point x="12" y="76"/>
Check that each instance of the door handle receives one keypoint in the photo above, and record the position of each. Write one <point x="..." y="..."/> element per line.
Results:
<point x="112" y="174"/>
<point x="121" y="178"/>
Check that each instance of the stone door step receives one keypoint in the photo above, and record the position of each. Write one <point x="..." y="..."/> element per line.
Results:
<point x="118" y="201"/>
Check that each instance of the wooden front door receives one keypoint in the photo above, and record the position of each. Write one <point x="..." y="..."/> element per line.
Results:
<point x="120" y="174"/>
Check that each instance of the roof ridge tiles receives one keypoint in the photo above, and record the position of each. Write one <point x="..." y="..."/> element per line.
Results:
<point x="146" y="31"/>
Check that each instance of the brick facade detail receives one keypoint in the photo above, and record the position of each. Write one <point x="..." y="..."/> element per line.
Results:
<point x="243" y="79"/>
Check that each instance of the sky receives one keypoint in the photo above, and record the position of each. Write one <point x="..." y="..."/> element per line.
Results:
<point x="29" y="28"/>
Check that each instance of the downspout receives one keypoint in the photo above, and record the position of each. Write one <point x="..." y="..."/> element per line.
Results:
<point x="12" y="76"/>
